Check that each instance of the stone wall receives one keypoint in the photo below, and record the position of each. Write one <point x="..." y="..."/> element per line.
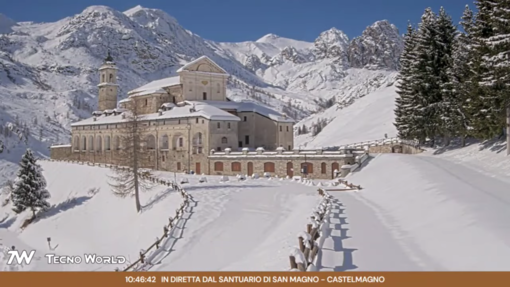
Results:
<point x="317" y="163"/>
<point x="61" y="152"/>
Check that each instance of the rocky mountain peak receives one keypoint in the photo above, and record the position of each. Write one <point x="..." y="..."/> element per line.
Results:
<point x="332" y="43"/>
<point x="378" y="47"/>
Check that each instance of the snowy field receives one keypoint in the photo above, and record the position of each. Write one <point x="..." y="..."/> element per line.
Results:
<point x="248" y="225"/>
<point x="368" y="118"/>
<point x="421" y="213"/>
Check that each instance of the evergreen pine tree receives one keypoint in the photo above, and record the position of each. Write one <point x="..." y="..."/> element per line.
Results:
<point x="448" y="105"/>
<point x="405" y="86"/>
<point x="459" y="76"/>
<point x="497" y="64"/>
<point x="29" y="191"/>
<point x="481" y="102"/>
<point x="426" y="118"/>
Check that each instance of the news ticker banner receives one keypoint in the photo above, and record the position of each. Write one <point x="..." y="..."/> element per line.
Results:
<point x="113" y="279"/>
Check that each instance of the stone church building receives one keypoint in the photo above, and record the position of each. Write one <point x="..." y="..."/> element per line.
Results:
<point x="189" y="124"/>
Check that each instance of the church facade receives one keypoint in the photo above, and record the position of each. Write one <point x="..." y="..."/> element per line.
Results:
<point x="187" y="120"/>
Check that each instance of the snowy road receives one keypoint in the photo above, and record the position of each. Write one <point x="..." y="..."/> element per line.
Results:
<point x="249" y="226"/>
<point x="420" y="213"/>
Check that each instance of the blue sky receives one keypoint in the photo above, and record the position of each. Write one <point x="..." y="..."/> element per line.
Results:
<point x="244" y="20"/>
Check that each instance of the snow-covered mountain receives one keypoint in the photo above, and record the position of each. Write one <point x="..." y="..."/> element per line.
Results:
<point x="48" y="71"/>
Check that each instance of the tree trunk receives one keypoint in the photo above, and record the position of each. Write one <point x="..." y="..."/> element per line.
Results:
<point x="508" y="129"/>
<point x="135" y="175"/>
<point x="463" y="141"/>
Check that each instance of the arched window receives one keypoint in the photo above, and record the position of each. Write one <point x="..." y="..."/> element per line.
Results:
<point x="151" y="142"/>
<point x="103" y="78"/>
<point x="323" y="168"/>
<point x="107" y="144"/>
<point x="91" y="142"/>
<point x="224" y="140"/>
<point x="99" y="145"/>
<point x="197" y="139"/>
<point x="164" y="142"/>
<point x="110" y="78"/>
<point x="76" y="143"/>
<point x="84" y="143"/>
<point x="116" y="143"/>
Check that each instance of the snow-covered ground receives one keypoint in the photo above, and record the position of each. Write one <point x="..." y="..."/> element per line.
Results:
<point x="248" y="225"/>
<point x="368" y="118"/>
<point x="421" y="213"/>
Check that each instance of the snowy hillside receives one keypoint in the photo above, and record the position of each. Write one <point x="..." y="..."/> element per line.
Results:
<point x="248" y="225"/>
<point x="48" y="71"/>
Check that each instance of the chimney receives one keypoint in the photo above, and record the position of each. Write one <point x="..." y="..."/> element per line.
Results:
<point x="95" y="119"/>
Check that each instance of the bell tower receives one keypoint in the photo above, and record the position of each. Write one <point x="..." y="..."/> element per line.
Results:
<point x="108" y="87"/>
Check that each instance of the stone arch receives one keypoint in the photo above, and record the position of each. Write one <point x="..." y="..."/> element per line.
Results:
<point x="91" y="142"/>
<point x="150" y="141"/>
<point x="99" y="143"/>
<point x="396" y="149"/>
<point x="76" y="144"/>
<point x="290" y="169"/>
<point x="323" y="168"/>
<point x="269" y="167"/>
<point x="107" y="143"/>
<point x="164" y="142"/>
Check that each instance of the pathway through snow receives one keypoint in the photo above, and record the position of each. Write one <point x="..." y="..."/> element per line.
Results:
<point x="420" y="213"/>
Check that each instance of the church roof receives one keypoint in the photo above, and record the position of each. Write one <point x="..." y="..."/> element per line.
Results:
<point x="198" y="60"/>
<point x="205" y="111"/>
<point x="156" y="86"/>
<point x="246" y="106"/>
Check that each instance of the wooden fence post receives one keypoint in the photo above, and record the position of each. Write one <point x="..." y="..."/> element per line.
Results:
<point x="142" y="257"/>
<point x="301" y="245"/>
<point x="293" y="264"/>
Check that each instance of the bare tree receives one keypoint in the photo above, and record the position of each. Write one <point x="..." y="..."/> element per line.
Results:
<point x="133" y="157"/>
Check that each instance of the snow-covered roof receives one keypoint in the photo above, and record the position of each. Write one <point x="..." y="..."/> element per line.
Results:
<point x="198" y="60"/>
<point x="156" y="86"/>
<point x="246" y="106"/>
<point x="206" y="111"/>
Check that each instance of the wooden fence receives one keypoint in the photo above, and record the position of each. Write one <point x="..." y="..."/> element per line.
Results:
<point x="172" y="221"/>
<point x="302" y="259"/>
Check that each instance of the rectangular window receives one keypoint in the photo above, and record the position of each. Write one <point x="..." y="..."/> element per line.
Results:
<point x="240" y="144"/>
<point x="196" y="121"/>
<point x="228" y="125"/>
<point x="204" y="96"/>
<point x="178" y="166"/>
<point x="218" y="125"/>
<point x="245" y="119"/>
<point x="287" y="128"/>
<point x="246" y="140"/>
<point x="280" y="128"/>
